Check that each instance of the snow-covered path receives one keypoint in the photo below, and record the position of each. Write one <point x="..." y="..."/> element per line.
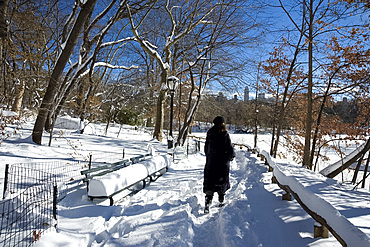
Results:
<point x="169" y="212"/>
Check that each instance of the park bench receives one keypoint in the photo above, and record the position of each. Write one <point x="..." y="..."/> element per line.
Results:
<point x="102" y="170"/>
<point x="116" y="179"/>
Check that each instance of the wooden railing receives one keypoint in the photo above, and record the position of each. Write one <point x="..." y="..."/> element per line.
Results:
<point x="328" y="218"/>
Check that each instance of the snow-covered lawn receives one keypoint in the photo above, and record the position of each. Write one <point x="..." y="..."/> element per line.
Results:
<point x="169" y="211"/>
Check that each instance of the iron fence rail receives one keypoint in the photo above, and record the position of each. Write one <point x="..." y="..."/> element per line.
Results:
<point x="26" y="216"/>
<point x="31" y="192"/>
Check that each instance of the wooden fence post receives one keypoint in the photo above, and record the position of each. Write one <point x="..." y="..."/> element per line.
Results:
<point x="365" y="171"/>
<point x="262" y="157"/>
<point x="320" y="231"/>
<point x="287" y="196"/>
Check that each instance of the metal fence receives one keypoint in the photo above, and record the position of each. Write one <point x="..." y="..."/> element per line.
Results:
<point x="24" y="175"/>
<point x="192" y="146"/>
<point x="31" y="192"/>
<point x="27" y="215"/>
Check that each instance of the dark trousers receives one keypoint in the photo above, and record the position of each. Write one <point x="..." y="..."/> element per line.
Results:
<point x="209" y="196"/>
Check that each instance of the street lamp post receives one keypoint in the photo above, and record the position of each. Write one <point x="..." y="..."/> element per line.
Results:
<point x="172" y="84"/>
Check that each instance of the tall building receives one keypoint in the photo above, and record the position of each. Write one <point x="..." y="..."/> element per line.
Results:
<point x="246" y="94"/>
<point x="261" y="96"/>
<point x="220" y="97"/>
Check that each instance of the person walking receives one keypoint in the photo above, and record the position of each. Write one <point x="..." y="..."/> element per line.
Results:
<point x="219" y="152"/>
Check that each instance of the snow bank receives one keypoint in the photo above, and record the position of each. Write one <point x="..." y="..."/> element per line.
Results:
<point x="9" y="113"/>
<point x="66" y="122"/>
<point x="108" y="184"/>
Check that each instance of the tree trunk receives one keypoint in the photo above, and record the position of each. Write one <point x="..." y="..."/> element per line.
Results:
<point x="306" y="154"/>
<point x="52" y="88"/>
<point x="3" y="34"/>
<point x="274" y="121"/>
<point x="256" y="112"/>
<point x="365" y="171"/>
<point x="318" y="122"/>
<point x="80" y="98"/>
<point x="19" y="92"/>
<point x="190" y="115"/>
<point x="3" y="18"/>
<point x="158" y="129"/>
<point x="285" y="95"/>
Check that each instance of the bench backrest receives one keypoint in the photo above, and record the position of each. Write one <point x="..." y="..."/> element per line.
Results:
<point x="102" y="170"/>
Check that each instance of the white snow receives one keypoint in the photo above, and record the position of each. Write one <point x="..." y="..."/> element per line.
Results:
<point x="156" y="163"/>
<point x="115" y="181"/>
<point x="169" y="211"/>
<point x="111" y="43"/>
<point x="104" y="64"/>
<point x="8" y="113"/>
<point x="317" y="191"/>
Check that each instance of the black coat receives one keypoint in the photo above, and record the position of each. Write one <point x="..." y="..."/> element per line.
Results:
<point x="219" y="152"/>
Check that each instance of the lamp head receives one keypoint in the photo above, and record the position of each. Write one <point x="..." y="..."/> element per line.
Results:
<point x="172" y="83"/>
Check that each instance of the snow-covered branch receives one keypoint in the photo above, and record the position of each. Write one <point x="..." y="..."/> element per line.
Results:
<point x="104" y="64"/>
<point x="111" y="43"/>
<point x="146" y="45"/>
<point x="192" y="24"/>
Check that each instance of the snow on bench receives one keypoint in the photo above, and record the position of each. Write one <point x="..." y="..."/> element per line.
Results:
<point x="112" y="183"/>
<point x="342" y="211"/>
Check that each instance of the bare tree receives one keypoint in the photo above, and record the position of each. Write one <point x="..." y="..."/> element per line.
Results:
<point x="205" y="61"/>
<point x="198" y="13"/>
<point x="93" y="31"/>
<point x="65" y="54"/>
<point x="287" y="84"/>
<point x="27" y="50"/>
<point x="319" y="18"/>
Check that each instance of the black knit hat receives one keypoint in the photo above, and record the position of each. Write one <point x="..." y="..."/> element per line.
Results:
<point x="218" y="120"/>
